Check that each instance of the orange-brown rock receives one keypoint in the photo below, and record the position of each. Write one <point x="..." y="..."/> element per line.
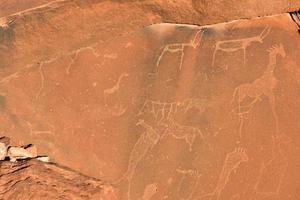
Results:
<point x="167" y="111"/>
<point x="36" y="180"/>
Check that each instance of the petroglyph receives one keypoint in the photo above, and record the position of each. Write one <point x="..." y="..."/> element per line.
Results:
<point x="74" y="54"/>
<point x="41" y="71"/>
<point x="118" y="109"/>
<point x="34" y="133"/>
<point x="42" y="75"/>
<point x="233" y="45"/>
<point x="144" y="144"/>
<point x="179" y="47"/>
<point x="160" y="110"/>
<point x="181" y="132"/>
<point x="272" y="172"/>
<point x="190" y="178"/>
<point x="16" y="74"/>
<point x="231" y="163"/>
<point x="10" y="77"/>
<point x="263" y="85"/>
<point x="150" y="191"/>
<point x="167" y="110"/>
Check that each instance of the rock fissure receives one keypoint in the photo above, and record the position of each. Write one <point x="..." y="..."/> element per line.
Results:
<point x="296" y="18"/>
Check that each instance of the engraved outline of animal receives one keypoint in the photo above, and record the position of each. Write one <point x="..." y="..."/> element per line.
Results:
<point x="144" y="144"/>
<point x="193" y="173"/>
<point x="264" y="85"/>
<point x="115" y="89"/>
<point x="241" y="44"/>
<point x="232" y="162"/>
<point x="163" y="111"/>
<point x="182" y="132"/>
<point x="278" y="153"/>
<point x="175" y="47"/>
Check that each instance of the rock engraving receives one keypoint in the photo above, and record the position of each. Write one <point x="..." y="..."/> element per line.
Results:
<point x="231" y="163"/>
<point x="233" y="45"/>
<point x="263" y="85"/>
<point x="179" y="47"/>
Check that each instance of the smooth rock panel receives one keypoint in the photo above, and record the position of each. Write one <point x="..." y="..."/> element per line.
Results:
<point x="168" y="112"/>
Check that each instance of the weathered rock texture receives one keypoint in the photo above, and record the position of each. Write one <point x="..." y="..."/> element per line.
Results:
<point x="205" y="11"/>
<point x="167" y="111"/>
<point x="36" y="180"/>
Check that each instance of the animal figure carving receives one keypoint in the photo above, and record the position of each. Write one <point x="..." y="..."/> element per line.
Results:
<point x="164" y="111"/>
<point x="231" y="163"/>
<point x="239" y="44"/>
<point x="145" y="143"/>
<point x="189" y="178"/>
<point x="181" y="132"/>
<point x="118" y="109"/>
<point x="263" y="85"/>
<point x="179" y="47"/>
<point x="272" y="172"/>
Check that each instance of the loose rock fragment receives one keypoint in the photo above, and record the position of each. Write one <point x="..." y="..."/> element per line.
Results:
<point x="3" y="151"/>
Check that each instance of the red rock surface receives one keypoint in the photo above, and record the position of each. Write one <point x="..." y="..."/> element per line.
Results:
<point x="43" y="181"/>
<point x="9" y="7"/>
<point x="167" y="111"/>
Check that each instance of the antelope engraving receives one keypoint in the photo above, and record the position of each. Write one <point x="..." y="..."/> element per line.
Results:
<point x="179" y="47"/>
<point x="233" y="45"/>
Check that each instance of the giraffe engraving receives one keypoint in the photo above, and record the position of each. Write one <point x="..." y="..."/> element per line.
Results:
<point x="264" y="85"/>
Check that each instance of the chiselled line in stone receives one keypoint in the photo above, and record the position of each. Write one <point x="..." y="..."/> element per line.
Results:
<point x="8" y="78"/>
<point x="279" y="159"/>
<point x="74" y="54"/>
<point x="120" y="109"/>
<point x="167" y="110"/>
<point x="179" y="47"/>
<point x="15" y="75"/>
<point x="42" y="75"/>
<point x="263" y="85"/>
<point x="38" y="132"/>
<point x="160" y="110"/>
<point x="194" y="174"/>
<point x="231" y="163"/>
<point x="150" y="191"/>
<point x="144" y="144"/>
<point x="181" y="132"/>
<point x="41" y="71"/>
<point x="51" y="4"/>
<point x="239" y="44"/>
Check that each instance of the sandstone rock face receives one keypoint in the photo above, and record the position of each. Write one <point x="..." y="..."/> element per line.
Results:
<point x="36" y="180"/>
<point x="15" y="6"/>
<point x="166" y="111"/>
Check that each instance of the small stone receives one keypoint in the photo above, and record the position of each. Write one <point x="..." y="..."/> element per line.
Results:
<point x="43" y="158"/>
<point x="3" y="151"/>
<point x="32" y="150"/>
<point x="15" y="153"/>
